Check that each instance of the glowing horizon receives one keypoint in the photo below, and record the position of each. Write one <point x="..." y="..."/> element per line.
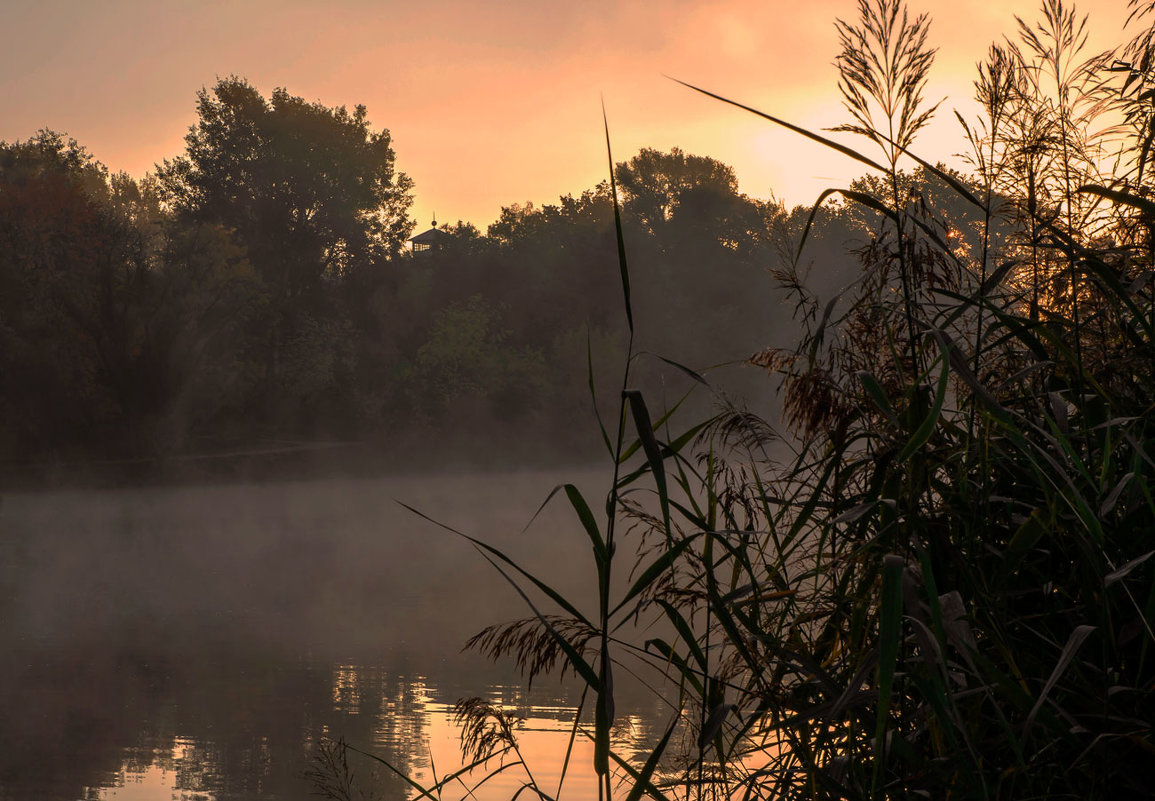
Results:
<point x="488" y="106"/>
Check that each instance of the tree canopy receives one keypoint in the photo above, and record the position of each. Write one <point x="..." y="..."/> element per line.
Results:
<point x="310" y="191"/>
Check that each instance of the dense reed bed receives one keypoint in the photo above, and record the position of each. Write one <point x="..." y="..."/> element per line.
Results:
<point x="934" y="580"/>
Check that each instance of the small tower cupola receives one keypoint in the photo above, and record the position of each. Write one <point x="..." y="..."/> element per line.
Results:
<point x="429" y="240"/>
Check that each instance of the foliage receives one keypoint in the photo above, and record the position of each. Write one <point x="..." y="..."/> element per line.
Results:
<point x="256" y="289"/>
<point x="109" y="312"/>
<point x="310" y="191"/>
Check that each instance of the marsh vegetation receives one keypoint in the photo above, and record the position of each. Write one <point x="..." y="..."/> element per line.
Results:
<point x="945" y="588"/>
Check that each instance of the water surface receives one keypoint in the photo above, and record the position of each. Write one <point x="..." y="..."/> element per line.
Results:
<point x="199" y="642"/>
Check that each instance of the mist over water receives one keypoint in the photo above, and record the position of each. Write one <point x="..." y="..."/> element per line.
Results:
<point x="198" y="641"/>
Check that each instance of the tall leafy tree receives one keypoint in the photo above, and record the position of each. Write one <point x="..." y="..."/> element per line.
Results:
<point x="113" y="319"/>
<point x="670" y="192"/>
<point x="311" y="191"/>
<point x="313" y="196"/>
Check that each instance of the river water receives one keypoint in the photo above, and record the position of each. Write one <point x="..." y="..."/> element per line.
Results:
<point x="200" y="642"/>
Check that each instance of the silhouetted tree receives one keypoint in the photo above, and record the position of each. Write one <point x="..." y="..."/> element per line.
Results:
<point x="311" y="191"/>
<point x="110" y="313"/>
<point x="688" y="198"/>
<point x="313" y="196"/>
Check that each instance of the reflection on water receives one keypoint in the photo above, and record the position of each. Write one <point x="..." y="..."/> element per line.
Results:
<point x="198" y="643"/>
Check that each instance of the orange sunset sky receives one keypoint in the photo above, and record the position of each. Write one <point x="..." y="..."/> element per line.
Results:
<point x="488" y="103"/>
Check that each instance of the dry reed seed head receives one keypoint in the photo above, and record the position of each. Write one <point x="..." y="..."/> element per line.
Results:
<point x="533" y="646"/>
<point x="330" y="772"/>
<point x="1058" y="37"/>
<point x="775" y="360"/>
<point x="996" y="85"/>
<point x="883" y="68"/>
<point x="486" y="729"/>
<point x="738" y="431"/>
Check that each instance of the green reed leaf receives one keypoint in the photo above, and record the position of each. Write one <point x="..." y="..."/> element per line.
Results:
<point x="643" y="779"/>
<point x="1074" y="642"/>
<point x="889" y="631"/>
<point x="604" y="713"/>
<point x="485" y="549"/>
<point x="656" y="568"/>
<point x="653" y="451"/>
<point x="589" y="524"/>
<point x="622" y="266"/>
<point x="830" y="143"/>
<point x="926" y="428"/>
<point x="685" y="632"/>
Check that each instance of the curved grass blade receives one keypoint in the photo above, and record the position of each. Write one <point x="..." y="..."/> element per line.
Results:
<point x="434" y="792"/>
<point x="841" y="148"/>
<point x="874" y="389"/>
<point x="1122" y="572"/>
<point x="659" y="566"/>
<point x="653" y="452"/>
<point x="685" y="632"/>
<point x="594" y="395"/>
<point x="642" y="778"/>
<point x="1143" y="204"/>
<point x="579" y="664"/>
<point x="604" y="710"/>
<point x="625" y="273"/>
<point x="588" y="522"/>
<point x="485" y="548"/>
<point x="674" y="658"/>
<point x="1077" y="638"/>
<point x="922" y="434"/>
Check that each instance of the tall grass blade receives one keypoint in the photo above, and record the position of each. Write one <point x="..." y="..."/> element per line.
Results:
<point x="652" y="450"/>
<point x="623" y="269"/>
<point x="889" y="631"/>
<point x="486" y="549"/>
<point x="1076" y="640"/>
<point x="841" y="148"/>
<point x="643" y="783"/>
<point x="926" y="428"/>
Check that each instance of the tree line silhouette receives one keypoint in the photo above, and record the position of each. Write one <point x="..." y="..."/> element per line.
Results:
<point x="257" y="289"/>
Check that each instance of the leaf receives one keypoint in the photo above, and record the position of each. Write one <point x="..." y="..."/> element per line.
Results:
<point x="874" y="389"/>
<point x="434" y="791"/>
<point x="963" y="371"/>
<point x="810" y="220"/>
<point x="1123" y="571"/>
<point x="674" y="658"/>
<point x="1078" y="636"/>
<point x="1122" y="198"/>
<point x="483" y="547"/>
<point x="922" y="434"/>
<point x="653" y="452"/>
<point x="694" y="375"/>
<point x="594" y="394"/>
<point x="854" y="513"/>
<point x="889" y="629"/>
<point x="1113" y="498"/>
<point x="604" y="713"/>
<point x="588" y="522"/>
<point x="871" y="202"/>
<point x="656" y="568"/>
<point x="841" y="148"/>
<point x="685" y="632"/>
<point x="642" y="778"/>
<point x="713" y="724"/>
<point x="860" y="197"/>
<point x="575" y="659"/>
<point x="622" y="267"/>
